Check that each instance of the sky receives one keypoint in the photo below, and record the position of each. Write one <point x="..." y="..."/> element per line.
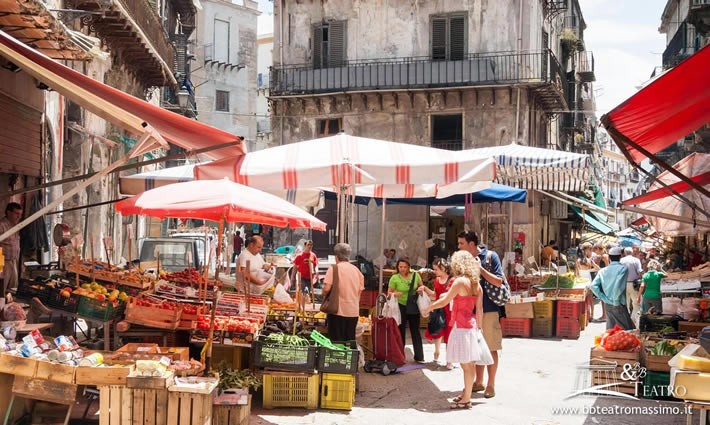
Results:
<point x="622" y="34"/>
<point x="624" y="37"/>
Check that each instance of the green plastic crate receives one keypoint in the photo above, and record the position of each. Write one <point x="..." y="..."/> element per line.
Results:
<point x="657" y="386"/>
<point x="99" y="310"/>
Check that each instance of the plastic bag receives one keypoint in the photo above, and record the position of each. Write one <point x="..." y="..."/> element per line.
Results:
<point x="13" y="312"/>
<point x="259" y="289"/>
<point x="287" y="280"/>
<point x="486" y="356"/>
<point x="616" y="339"/>
<point x="281" y="296"/>
<point x="423" y="301"/>
<point x="391" y="309"/>
<point x="636" y="316"/>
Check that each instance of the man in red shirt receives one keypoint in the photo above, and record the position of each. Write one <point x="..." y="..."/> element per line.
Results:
<point x="307" y="264"/>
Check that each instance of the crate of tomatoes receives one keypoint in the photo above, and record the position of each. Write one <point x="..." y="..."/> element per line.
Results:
<point x="237" y="329"/>
<point x="154" y="312"/>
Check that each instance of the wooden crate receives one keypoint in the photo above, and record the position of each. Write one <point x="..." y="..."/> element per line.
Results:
<point x="189" y="408"/>
<point x="620" y="359"/>
<point x="152" y="317"/>
<point x="116" y="406"/>
<point x="104" y="375"/>
<point x="56" y="372"/>
<point x="231" y="415"/>
<point x="149" y="382"/>
<point x="692" y="328"/>
<point x="19" y="366"/>
<point x="366" y="342"/>
<point x="44" y="390"/>
<point x="139" y="347"/>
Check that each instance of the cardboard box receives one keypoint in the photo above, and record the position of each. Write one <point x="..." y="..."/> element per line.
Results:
<point x="519" y="311"/>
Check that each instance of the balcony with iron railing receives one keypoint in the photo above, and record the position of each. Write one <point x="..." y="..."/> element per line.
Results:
<point x="572" y="23"/>
<point x="539" y="69"/>
<point x="699" y="15"/>
<point x="449" y="145"/>
<point x="134" y="29"/>
<point x="683" y="45"/>
<point x="585" y="66"/>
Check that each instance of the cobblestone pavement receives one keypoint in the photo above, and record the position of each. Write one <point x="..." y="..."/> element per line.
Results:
<point x="534" y="377"/>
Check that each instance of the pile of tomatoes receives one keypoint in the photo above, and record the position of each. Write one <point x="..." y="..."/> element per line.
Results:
<point x="230" y="324"/>
<point x="153" y="303"/>
<point x="187" y="275"/>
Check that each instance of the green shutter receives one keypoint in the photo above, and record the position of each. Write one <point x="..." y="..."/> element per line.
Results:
<point x="336" y="43"/>
<point x="438" y="39"/>
<point x="457" y="38"/>
<point x="318" y="46"/>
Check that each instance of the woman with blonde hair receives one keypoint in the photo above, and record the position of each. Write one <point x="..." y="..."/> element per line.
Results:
<point x="466" y="344"/>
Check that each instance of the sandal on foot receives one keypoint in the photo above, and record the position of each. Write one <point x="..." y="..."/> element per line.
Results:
<point x="459" y="405"/>
<point x="490" y="393"/>
<point x="456" y="399"/>
<point x="477" y="388"/>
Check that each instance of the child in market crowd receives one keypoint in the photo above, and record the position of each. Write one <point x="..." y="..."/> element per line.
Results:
<point x="442" y="283"/>
<point x="650" y="288"/>
<point x="404" y="286"/>
<point x="491" y="272"/>
<point x="466" y="344"/>
<point x="306" y="264"/>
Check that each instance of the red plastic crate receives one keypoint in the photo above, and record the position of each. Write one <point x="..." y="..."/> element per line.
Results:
<point x="569" y="309"/>
<point x="516" y="327"/>
<point x="568" y="328"/>
<point x="368" y="298"/>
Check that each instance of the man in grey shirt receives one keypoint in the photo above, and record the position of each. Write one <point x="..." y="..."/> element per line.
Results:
<point x="633" y="264"/>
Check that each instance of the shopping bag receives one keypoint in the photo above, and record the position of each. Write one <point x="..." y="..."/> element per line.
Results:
<point x="287" y="280"/>
<point x="391" y="309"/>
<point x="387" y="341"/>
<point x="281" y="296"/>
<point x="259" y="289"/>
<point x="636" y="316"/>
<point x="423" y="302"/>
<point x="437" y="321"/>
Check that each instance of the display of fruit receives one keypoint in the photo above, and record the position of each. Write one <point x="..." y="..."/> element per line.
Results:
<point x="155" y="303"/>
<point x="191" y="309"/>
<point x="187" y="275"/>
<point x="97" y="291"/>
<point x="231" y="324"/>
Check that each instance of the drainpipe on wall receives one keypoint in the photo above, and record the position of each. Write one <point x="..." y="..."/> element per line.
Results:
<point x="517" y="119"/>
<point x="281" y="61"/>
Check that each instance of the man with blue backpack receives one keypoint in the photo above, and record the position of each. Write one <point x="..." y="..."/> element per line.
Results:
<point x="497" y="293"/>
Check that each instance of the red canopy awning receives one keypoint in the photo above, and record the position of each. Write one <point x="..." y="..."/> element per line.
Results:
<point x="116" y="106"/>
<point x="666" y="110"/>
<point x="680" y="187"/>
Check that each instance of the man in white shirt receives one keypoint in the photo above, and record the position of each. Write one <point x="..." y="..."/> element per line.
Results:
<point x="633" y="264"/>
<point x="258" y="276"/>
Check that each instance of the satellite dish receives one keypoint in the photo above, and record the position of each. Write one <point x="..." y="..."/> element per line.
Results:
<point x="61" y="235"/>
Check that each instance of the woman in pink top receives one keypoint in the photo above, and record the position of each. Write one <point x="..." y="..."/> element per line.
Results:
<point x="466" y="344"/>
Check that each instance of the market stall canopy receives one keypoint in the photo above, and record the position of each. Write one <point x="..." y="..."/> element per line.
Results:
<point x="592" y="223"/>
<point x="115" y="106"/>
<point x="343" y="160"/>
<point x="496" y="193"/>
<point x="216" y="200"/>
<point x="137" y="183"/>
<point x="660" y="200"/>
<point x="527" y="167"/>
<point x="669" y="108"/>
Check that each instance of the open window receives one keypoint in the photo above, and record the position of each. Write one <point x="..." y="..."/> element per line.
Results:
<point x="447" y="132"/>
<point x="328" y="127"/>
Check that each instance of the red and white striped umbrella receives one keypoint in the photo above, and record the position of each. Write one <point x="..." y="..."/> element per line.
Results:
<point x="397" y="169"/>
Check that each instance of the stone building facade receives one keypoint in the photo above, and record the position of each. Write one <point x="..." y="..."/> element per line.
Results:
<point x="448" y="74"/>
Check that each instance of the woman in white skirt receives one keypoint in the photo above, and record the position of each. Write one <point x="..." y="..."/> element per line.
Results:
<point x="466" y="344"/>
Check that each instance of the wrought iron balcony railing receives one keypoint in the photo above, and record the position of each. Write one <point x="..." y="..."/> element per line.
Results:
<point x="683" y="44"/>
<point x="503" y="68"/>
<point x="585" y="66"/>
<point x="449" y="145"/>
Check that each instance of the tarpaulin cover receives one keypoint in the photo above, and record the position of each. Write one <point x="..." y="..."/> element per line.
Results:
<point x="216" y="200"/>
<point x="343" y="160"/>
<point x="666" y="110"/>
<point x="694" y="165"/>
<point x="496" y="193"/>
<point x="595" y="224"/>
<point x="116" y="106"/>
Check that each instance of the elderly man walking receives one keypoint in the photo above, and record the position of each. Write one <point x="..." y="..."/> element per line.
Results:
<point x="610" y="286"/>
<point x="633" y="279"/>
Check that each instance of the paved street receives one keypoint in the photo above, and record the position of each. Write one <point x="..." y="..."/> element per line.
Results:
<point x="535" y="376"/>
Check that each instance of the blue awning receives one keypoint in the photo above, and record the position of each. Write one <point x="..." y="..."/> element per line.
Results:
<point x="496" y="193"/>
<point x="594" y="224"/>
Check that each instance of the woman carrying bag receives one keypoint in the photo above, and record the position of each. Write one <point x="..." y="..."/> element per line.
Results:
<point x="403" y="286"/>
<point x="442" y="283"/>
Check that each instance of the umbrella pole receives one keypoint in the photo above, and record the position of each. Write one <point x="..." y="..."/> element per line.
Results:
<point x="219" y="249"/>
<point x="382" y="241"/>
<point x="208" y="356"/>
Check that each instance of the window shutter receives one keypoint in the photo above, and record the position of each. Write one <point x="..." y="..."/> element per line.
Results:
<point x="438" y="39"/>
<point x="317" y="46"/>
<point x="457" y="38"/>
<point x="336" y="43"/>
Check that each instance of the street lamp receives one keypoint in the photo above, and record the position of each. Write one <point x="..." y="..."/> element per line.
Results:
<point x="183" y="96"/>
